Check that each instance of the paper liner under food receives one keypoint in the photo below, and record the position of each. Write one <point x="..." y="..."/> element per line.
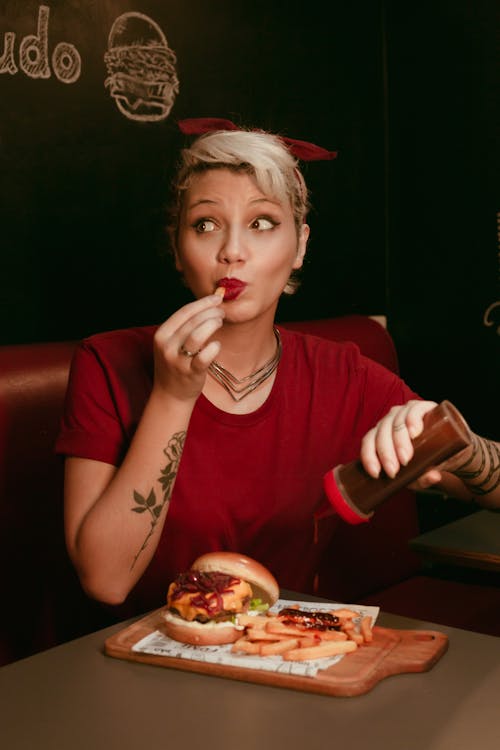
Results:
<point x="160" y="645"/>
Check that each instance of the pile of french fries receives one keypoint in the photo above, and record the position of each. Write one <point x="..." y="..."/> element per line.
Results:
<point x="268" y="635"/>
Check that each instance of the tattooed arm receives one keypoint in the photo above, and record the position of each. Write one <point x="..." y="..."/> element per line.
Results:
<point x="474" y="474"/>
<point x="151" y="504"/>
<point x="114" y="515"/>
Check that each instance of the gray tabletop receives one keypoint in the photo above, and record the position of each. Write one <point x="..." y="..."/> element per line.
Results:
<point x="74" y="697"/>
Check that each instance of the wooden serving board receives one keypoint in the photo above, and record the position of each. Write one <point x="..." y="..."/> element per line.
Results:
<point x="392" y="652"/>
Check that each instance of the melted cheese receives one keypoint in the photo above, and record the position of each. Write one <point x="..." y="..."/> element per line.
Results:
<point x="232" y="601"/>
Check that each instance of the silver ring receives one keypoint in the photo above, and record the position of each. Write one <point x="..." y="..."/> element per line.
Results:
<point x="186" y="352"/>
<point x="398" y="427"/>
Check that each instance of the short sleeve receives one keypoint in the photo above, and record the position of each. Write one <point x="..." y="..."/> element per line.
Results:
<point x="90" y="426"/>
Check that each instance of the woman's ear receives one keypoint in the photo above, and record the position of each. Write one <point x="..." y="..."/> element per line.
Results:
<point x="302" y="246"/>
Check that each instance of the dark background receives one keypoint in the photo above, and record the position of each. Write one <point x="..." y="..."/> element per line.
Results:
<point x="404" y="222"/>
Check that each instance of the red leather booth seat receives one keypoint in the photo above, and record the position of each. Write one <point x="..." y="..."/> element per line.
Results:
<point x="42" y="602"/>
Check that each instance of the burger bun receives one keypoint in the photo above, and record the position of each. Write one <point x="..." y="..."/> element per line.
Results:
<point x="200" y="633"/>
<point x="264" y="584"/>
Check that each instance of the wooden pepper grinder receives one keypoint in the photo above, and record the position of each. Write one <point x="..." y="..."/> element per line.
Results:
<point x="354" y="494"/>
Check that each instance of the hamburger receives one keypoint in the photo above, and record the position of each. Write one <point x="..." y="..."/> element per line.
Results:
<point x="141" y="67"/>
<point x="204" y="602"/>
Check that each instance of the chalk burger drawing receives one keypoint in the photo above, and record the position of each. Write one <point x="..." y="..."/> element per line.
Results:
<point x="142" y="77"/>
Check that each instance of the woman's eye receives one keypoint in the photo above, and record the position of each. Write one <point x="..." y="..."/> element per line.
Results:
<point x="264" y="223"/>
<point x="204" y="225"/>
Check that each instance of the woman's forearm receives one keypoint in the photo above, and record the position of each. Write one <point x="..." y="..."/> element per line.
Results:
<point x="113" y="539"/>
<point x="476" y="473"/>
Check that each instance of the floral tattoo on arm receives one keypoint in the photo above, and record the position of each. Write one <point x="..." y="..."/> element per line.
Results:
<point x="150" y="504"/>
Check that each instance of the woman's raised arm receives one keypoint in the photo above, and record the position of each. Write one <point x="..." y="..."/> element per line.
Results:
<point x="114" y="515"/>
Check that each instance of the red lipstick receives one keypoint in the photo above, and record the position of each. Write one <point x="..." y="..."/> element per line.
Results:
<point x="233" y="288"/>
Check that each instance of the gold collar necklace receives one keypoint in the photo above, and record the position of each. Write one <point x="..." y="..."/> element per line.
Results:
<point x="237" y="388"/>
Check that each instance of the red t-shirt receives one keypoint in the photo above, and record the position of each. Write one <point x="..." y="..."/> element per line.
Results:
<point x="251" y="483"/>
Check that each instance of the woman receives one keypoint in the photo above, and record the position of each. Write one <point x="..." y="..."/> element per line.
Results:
<point x="214" y="430"/>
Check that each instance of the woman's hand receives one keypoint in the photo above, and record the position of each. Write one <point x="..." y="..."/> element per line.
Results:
<point x="183" y="350"/>
<point x="472" y="473"/>
<point x="388" y="445"/>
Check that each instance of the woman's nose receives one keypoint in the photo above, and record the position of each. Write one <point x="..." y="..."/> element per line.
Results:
<point x="232" y="249"/>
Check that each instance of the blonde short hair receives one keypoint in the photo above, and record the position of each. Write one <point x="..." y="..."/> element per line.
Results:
<point x="262" y="155"/>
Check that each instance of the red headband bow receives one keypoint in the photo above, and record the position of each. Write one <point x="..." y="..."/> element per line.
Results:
<point x="300" y="149"/>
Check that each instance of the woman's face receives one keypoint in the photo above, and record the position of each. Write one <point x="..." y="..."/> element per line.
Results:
<point x="231" y="234"/>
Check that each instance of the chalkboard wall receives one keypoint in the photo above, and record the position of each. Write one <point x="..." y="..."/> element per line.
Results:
<point x="84" y="181"/>
<point x="404" y="222"/>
